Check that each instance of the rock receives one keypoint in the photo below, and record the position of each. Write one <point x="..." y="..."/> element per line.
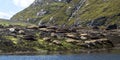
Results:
<point x="72" y="40"/>
<point x="96" y="35"/>
<point x="73" y="36"/>
<point x="90" y="41"/>
<point x="42" y="12"/>
<point x="47" y="39"/>
<point x="114" y="38"/>
<point x="33" y="27"/>
<point x="53" y="34"/>
<point x="29" y="37"/>
<point x="52" y="27"/>
<point x="42" y="26"/>
<point x="84" y="36"/>
<point x="57" y="42"/>
<point x="37" y="2"/>
<point x="70" y="35"/>
<point x="85" y="45"/>
<point x="111" y="27"/>
<point x="95" y="27"/>
<point x="12" y="29"/>
<point x="98" y="21"/>
<point x="21" y="32"/>
<point x="68" y="1"/>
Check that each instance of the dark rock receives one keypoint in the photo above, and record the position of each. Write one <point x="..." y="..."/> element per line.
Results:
<point x="114" y="38"/>
<point x="111" y="27"/>
<point x="42" y="26"/>
<point x="68" y="1"/>
<point x="110" y="42"/>
<point x="96" y="35"/>
<point x="98" y="22"/>
<point x="85" y="46"/>
<point x="95" y="27"/>
<point x="29" y="37"/>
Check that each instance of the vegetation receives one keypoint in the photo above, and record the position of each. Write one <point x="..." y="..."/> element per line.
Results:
<point x="9" y="22"/>
<point x="61" y="12"/>
<point x="100" y="8"/>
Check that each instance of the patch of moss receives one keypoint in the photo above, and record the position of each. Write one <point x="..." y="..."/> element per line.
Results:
<point x="13" y="39"/>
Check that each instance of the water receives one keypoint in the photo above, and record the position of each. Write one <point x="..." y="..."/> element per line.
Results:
<point x="62" y="57"/>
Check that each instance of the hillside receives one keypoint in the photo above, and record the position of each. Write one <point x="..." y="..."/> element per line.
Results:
<point x="6" y="22"/>
<point x="60" y="27"/>
<point x="74" y="12"/>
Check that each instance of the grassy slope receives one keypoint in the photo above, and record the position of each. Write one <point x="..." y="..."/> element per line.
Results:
<point x="91" y="10"/>
<point x="99" y="8"/>
<point x="8" y="22"/>
<point x="60" y="15"/>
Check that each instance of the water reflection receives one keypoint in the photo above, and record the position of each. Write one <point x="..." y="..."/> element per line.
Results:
<point x="62" y="57"/>
<point x="104" y="55"/>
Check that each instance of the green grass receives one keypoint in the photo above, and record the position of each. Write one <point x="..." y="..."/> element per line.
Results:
<point x="9" y="22"/>
<point x="99" y="8"/>
<point x="91" y="10"/>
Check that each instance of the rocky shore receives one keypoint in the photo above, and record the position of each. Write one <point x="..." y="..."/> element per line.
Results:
<point x="15" y="38"/>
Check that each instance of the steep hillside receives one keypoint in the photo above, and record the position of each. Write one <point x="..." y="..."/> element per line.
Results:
<point x="71" y="12"/>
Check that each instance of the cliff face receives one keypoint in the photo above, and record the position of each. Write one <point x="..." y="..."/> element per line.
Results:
<point x="71" y="12"/>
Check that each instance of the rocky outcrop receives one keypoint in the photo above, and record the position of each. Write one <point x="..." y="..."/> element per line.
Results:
<point x="98" y="22"/>
<point x="32" y="38"/>
<point x="111" y="27"/>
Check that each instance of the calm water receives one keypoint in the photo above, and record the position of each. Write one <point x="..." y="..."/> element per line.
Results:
<point x="62" y="57"/>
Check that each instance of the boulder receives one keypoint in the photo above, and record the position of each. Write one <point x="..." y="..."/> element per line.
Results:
<point x="96" y="35"/>
<point x="95" y="28"/>
<point x="29" y="37"/>
<point x="57" y="42"/>
<point x="42" y="26"/>
<point x="98" y="21"/>
<point x="47" y="39"/>
<point x="21" y="32"/>
<point x="11" y="29"/>
<point x="111" y="27"/>
<point x="72" y="40"/>
<point x="33" y="27"/>
<point x="72" y="36"/>
<point x="84" y="36"/>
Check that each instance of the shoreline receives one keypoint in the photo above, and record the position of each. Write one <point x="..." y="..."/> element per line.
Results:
<point x="82" y="51"/>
